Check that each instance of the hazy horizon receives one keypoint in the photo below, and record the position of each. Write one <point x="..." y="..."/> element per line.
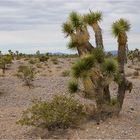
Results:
<point x="31" y="25"/>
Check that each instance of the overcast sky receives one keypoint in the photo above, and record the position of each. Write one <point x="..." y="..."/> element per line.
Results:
<point x="31" y="25"/>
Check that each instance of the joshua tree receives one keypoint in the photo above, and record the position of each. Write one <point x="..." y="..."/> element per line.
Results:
<point x="4" y="61"/>
<point x="119" y="30"/>
<point x="11" y="53"/>
<point x="131" y="56"/>
<point x="93" y="19"/>
<point x="136" y="54"/>
<point x="17" y="54"/>
<point x="38" y="54"/>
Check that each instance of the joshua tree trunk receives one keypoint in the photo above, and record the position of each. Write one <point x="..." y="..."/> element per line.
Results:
<point x="106" y="95"/>
<point x="121" y="91"/>
<point x="85" y="48"/>
<point x="121" y="61"/>
<point x="98" y="35"/>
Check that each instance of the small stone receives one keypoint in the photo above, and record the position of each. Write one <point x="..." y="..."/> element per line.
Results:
<point x="13" y="115"/>
<point x="132" y="108"/>
<point x="98" y="128"/>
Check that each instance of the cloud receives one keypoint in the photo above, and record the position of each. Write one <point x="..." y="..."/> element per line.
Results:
<point x="37" y="23"/>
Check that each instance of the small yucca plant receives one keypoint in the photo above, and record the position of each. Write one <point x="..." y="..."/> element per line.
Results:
<point x="73" y="86"/>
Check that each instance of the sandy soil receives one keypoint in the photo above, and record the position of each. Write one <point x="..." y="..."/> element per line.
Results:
<point x="15" y="97"/>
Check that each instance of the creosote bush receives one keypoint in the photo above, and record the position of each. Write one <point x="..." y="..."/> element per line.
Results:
<point x="60" y="112"/>
<point x="27" y="74"/>
<point x="43" y="58"/>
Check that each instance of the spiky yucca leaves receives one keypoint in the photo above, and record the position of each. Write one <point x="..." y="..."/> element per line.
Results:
<point x="110" y="66"/>
<point x="99" y="55"/>
<point x="87" y="62"/>
<point x="72" y="45"/>
<point x="119" y="30"/>
<point x="120" y="27"/>
<point x="92" y="17"/>
<point x="75" y="19"/>
<point x="83" y="66"/>
<point x="67" y="28"/>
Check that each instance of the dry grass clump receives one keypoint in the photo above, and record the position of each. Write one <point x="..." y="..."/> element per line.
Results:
<point x="33" y="61"/>
<point x="65" y="73"/>
<point x="43" y="58"/>
<point x="38" y="65"/>
<point x="54" y="60"/>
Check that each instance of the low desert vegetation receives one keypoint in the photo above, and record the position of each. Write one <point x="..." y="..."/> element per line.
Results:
<point x="134" y="56"/>
<point x="92" y="73"/>
<point x="43" y="58"/>
<point x="27" y="74"/>
<point x="73" y="86"/>
<point x="60" y="112"/>
<point x="4" y="61"/>
<point x="54" y="60"/>
<point x="65" y="73"/>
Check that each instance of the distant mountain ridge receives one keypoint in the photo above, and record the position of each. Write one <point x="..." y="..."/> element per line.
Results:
<point x="113" y="52"/>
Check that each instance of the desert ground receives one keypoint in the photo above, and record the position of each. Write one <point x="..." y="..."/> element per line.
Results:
<point x="15" y="98"/>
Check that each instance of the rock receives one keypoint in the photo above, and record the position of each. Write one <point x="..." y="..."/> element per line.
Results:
<point x="132" y="108"/>
<point x="98" y="128"/>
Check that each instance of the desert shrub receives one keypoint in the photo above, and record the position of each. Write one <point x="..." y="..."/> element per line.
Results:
<point x="72" y="86"/>
<point x="43" y="58"/>
<point x="26" y="59"/>
<point x="27" y="74"/>
<point x="32" y="61"/>
<point x="60" y="112"/>
<point x="54" y="60"/>
<point x="38" y="65"/>
<point x="65" y="73"/>
<point x="4" y="61"/>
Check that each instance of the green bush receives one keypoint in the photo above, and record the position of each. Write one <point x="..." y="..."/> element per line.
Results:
<point x="72" y="86"/>
<point x="43" y="58"/>
<point x="27" y="74"/>
<point x="60" y="112"/>
<point x="4" y="61"/>
<point x="32" y="61"/>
